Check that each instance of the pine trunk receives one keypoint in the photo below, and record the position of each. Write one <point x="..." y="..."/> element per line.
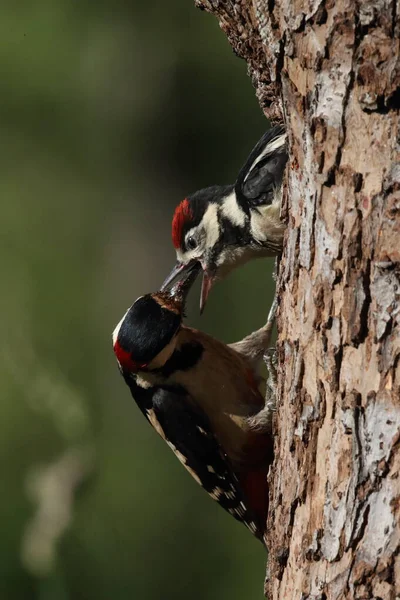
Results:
<point x="332" y="69"/>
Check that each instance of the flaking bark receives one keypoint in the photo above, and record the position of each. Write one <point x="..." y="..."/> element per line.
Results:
<point x="332" y="69"/>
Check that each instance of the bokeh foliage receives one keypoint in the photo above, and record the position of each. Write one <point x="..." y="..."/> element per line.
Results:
<point x="111" y="112"/>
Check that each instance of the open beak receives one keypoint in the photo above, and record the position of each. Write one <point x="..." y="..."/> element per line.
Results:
<point x="179" y="272"/>
<point x="181" y="279"/>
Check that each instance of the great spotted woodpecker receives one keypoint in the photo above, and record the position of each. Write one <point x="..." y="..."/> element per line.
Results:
<point x="202" y="398"/>
<point x="223" y="227"/>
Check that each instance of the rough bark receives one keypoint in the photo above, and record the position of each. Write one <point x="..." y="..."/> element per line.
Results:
<point x="332" y="67"/>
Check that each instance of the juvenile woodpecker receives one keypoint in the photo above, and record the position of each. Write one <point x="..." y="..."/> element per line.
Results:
<point x="202" y="398"/>
<point x="223" y="227"/>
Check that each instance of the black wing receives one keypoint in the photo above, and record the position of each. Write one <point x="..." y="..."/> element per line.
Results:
<point x="186" y="429"/>
<point x="262" y="174"/>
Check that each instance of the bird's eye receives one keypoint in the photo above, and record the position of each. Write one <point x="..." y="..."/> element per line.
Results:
<point x="191" y="242"/>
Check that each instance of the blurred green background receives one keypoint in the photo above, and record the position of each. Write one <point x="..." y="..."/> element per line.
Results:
<point x="111" y="112"/>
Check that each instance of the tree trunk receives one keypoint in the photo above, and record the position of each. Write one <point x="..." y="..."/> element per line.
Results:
<point x="332" y="68"/>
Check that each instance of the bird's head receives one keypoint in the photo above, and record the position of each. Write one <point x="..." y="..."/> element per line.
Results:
<point x="213" y="226"/>
<point x="200" y="229"/>
<point x="146" y="336"/>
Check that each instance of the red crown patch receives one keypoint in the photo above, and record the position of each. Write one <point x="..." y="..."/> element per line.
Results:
<point x="182" y="214"/>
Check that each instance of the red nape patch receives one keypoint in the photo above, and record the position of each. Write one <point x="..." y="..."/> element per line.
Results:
<point x="125" y="359"/>
<point x="182" y="214"/>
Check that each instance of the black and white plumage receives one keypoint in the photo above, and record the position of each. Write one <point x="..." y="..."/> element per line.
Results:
<point x="188" y="433"/>
<point x="223" y="227"/>
<point x="201" y="397"/>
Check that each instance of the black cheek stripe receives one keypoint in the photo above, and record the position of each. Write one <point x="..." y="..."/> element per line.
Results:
<point x="186" y="357"/>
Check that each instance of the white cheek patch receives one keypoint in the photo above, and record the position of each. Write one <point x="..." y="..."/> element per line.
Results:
<point x="231" y="210"/>
<point x="210" y="225"/>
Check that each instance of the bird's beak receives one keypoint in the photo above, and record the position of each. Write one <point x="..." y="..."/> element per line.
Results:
<point x="207" y="283"/>
<point x="181" y="279"/>
<point x="179" y="272"/>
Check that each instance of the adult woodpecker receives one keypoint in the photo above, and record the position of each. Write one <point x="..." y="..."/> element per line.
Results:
<point x="202" y="398"/>
<point x="223" y="227"/>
